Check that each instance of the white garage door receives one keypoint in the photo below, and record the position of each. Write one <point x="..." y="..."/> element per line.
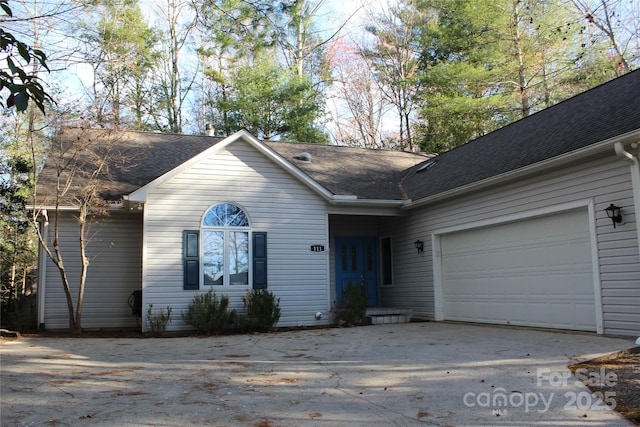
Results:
<point x="535" y="272"/>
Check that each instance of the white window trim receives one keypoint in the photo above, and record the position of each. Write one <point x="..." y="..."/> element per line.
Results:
<point x="382" y="284"/>
<point x="226" y="282"/>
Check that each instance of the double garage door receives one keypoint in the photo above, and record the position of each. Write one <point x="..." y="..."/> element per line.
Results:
<point x="536" y="272"/>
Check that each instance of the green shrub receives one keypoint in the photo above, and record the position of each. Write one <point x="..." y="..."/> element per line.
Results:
<point x="158" y="320"/>
<point x="208" y="313"/>
<point x="353" y="307"/>
<point x="263" y="310"/>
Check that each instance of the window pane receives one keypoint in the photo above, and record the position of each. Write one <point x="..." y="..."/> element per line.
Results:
<point x="238" y="258"/>
<point x="213" y="257"/>
<point x="235" y="217"/>
<point x="354" y="258"/>
<point x="225" y="215"/>
<point x="345" y="255"/>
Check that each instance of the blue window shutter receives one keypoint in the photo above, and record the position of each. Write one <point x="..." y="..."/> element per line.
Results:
<point x="260" y="260"/>
<point x="191" y="261"/>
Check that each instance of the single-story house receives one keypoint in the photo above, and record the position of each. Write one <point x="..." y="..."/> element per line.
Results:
<point x="511" y="228"/>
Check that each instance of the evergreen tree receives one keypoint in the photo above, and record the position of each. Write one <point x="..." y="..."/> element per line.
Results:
<point x="272" y="102"/>
<point x="120" y="48"/>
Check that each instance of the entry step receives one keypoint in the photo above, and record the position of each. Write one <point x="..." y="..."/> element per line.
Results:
<point x="380" y="316"/>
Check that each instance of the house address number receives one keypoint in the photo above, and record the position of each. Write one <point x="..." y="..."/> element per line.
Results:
<point x="317" y="248"/>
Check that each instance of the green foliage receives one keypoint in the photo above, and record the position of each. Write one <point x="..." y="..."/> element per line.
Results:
<point x="158" y="320"/>
<point x="272" y="101"/>
<point x="266" y="68"/>
<point x="208" y="313"/>
<point x="353" y="306"/>
<point x="240" y="26"/>
<point x="22" y="87"/>
<point x="123" y="49"/>
<point x="486" y="63"/>
<point x="17" y="244"/>
<point x="263" y="310"/>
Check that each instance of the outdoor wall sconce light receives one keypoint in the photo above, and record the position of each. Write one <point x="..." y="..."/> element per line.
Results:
<point x="419" y="244"/>
<point x="613" y="212"/>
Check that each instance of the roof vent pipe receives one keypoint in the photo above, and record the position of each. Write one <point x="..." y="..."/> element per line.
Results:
<point x="305" y="157"/>
<point x="210" y="130"/>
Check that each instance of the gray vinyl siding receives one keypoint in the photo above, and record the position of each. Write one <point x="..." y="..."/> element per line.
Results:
<point x="114" y="272"/>
<point x="603" y="181"/>
<point x="290" y="212"/>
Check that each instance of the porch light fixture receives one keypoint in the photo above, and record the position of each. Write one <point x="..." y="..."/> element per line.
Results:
<point x="419" y="244"/>
<point x="613" y="212"/>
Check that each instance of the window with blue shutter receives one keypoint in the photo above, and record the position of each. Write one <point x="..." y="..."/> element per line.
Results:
<point x="224" y="252"/>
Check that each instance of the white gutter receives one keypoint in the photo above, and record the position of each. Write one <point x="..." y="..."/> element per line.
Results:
<point x="602" y="146"/>
<point x="42" y="269"/>
<point x="111" y="207"/>
<point x="635" y="181"/>
<point x="53" y="208"/>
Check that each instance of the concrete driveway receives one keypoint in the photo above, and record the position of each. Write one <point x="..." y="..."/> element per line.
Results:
<point x="417" y="374"/>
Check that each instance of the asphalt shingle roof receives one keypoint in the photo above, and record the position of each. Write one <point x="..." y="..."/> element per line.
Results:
<point x="593" y="116"/>
<point x="361" y="172"/>
<point x="137" y="158"/>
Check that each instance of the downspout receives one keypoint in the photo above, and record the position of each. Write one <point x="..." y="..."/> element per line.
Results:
<point x="635" y="182"/>
<point x="42" y="270"/>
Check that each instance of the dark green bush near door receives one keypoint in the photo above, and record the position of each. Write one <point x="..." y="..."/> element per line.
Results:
<point x="353" y="306"/>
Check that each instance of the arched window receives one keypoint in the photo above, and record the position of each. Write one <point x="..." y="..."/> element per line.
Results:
<point x="225" y="246"/>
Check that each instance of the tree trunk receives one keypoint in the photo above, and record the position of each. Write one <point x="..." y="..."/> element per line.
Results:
<point x="82" y="220"/>
<point x="523" y="90"/>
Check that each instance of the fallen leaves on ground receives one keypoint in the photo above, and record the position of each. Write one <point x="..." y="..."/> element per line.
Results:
<point x="625" y="383"/>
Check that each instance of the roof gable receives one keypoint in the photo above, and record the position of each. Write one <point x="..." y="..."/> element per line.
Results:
<point x="140" y="194"/>
<point x="332" y="170"/>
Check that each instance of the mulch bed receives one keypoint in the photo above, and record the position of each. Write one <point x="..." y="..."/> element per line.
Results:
<point x="617" y="374"/>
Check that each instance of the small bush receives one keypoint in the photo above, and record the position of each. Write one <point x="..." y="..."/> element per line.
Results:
<point x="263" y="310"/>
<point x="208" y="313"/>
<point x="353" y="307"/>
<point x="158" y="320"/>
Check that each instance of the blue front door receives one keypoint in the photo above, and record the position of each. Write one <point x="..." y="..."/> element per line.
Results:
<point x="357" y="262"/>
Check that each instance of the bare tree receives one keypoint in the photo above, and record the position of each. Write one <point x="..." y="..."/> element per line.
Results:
<point x="619" y="22"/>
<point x="76" y="175"/>
<point x="179" y="21"/>
<point x="395" y="60"/>
<point x="359" y="120"/>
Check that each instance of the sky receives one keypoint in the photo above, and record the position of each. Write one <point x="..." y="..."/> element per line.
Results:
<point x="335" y="12"/>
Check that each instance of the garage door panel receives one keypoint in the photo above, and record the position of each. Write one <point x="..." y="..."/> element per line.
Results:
<point x="535" y="272"/>
<point x="525" y="314"/>
<point x="534" y="254"/>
